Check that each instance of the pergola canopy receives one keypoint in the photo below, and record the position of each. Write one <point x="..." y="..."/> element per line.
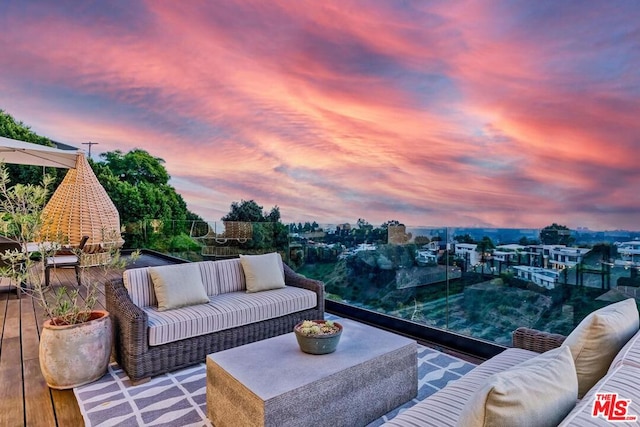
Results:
<point x="26" y="153"/>
<point x="80" y="206"/>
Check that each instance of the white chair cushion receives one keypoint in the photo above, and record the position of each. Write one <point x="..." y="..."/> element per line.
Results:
<point x="62" y="259"/>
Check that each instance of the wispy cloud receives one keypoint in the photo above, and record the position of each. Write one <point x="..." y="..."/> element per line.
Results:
<point x="474" y="113"/>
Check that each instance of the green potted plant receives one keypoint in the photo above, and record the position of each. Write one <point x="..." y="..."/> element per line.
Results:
<point x="318" y="336"/>
<point x="75" y="342"/>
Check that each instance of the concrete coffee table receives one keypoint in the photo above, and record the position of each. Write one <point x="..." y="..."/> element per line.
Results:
<point x="273" y="383"/>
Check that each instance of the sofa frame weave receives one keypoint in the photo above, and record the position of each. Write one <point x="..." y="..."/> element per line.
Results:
<point x="141" y="361"/>
<point x="535" y="340"/>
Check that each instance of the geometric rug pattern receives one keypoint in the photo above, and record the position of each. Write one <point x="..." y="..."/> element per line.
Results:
<point x="174" y="399"/>
<point x="179" y="398"/>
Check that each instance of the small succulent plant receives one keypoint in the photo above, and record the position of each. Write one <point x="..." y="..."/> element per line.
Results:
<point x="318" y="327"/>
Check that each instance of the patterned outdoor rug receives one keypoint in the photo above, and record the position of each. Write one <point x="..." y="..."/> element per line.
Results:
<point x="179" y="398"/>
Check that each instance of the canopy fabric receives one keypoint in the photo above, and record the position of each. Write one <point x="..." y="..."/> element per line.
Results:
<point x="26" y="153"/>
<point x="79" y="207"/>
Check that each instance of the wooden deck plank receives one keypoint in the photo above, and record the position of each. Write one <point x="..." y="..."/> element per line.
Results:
<point x="66" y="407"/>
<point x="4" y="296"/>
<point x="29" y="330"/>
<point x="11" y="392"/>
<point x="37" y="398"/>
<point x="12" y="319"/>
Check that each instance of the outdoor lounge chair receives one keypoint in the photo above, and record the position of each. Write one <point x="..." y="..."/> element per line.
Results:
<point x="64" y="258"/>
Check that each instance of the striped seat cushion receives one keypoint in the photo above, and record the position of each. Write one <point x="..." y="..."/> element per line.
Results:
<point x="622" y="380"/>
<point x="231" y="276"/>
<point x="629" y="355"/>
<point x="140" y="286"/>
<point x="443" y="407"/>
<point x="226" y="311"/>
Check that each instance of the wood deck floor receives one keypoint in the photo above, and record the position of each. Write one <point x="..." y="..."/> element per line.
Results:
<point x="25" y="398"/>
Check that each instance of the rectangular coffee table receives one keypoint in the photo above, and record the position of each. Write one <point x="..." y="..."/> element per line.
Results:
<point x="273" y="383"/>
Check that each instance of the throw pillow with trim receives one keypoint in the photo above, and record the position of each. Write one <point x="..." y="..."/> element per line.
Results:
<point x="538" y="392"/>
<point x="262" y="272"/>
<point x="178" y="286"/>
<point x="595" y="342"/>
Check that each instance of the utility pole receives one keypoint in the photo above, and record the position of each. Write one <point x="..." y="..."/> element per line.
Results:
<point x="89" y="144"/>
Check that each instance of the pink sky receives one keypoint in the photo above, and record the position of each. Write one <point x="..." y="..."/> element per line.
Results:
<point x="491" y="114"/>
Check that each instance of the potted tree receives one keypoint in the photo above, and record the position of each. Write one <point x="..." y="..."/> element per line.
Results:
<point x="75" y="342"/>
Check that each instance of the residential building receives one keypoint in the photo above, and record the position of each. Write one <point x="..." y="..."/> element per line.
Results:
<point x="629" y="253"/>
<point x="544" y="277"/>
<point x="562" y="257"/>
<point x="468" y="252"/>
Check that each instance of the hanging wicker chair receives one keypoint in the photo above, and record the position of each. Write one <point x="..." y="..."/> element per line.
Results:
<point x="79" y="207"/>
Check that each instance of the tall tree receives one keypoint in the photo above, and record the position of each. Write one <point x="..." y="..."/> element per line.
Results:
<point x="556" y="234"/>
<point x="23" y="174"/>
<point x="249" y="211"/>
<point x="136" y="167"/>
<point x="268" y="231"/>
<point x="137" y="183"/>
<point x="466" y="238"/>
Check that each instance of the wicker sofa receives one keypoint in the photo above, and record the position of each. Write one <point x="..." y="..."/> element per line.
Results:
<point x="150" y="342"/>
<point x="447" y="407"/>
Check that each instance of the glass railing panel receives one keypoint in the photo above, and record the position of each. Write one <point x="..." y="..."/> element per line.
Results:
<point x="207" y="240"/>
<point x="464" y="281"/>
<point x="483" y="283"/>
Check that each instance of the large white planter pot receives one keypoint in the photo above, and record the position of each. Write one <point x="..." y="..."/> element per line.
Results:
<point x="73" y="355"/>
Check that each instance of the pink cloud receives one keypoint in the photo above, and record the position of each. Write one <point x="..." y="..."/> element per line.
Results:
<point x="431" y="114"/>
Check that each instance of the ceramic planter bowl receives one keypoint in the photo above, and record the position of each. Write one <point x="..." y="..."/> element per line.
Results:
<point x="318" y="344"/>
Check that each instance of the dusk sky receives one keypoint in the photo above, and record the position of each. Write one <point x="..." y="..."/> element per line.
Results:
<point x="435" y="113"/>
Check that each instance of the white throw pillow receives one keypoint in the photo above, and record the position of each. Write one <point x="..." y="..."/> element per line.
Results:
<point x="598" y="338"/>
<point x="538" y="392"/>
<point x="262" y="272"/>
<point x="178" y="285"/>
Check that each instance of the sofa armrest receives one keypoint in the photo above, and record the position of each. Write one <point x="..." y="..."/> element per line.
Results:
<point x="130" y="322"/>
<point x="291" y="278"/>
<point x="534" y="340"/>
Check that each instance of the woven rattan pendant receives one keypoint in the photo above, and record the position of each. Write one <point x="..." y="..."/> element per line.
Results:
<point x="80" y="206"/>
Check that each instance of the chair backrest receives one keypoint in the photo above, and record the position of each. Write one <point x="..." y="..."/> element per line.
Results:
<point x="83" y="242"/>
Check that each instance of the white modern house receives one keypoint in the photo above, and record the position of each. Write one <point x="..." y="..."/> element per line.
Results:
<point x="426" y="256"/>
<point x="542" y="252"/>
<point x="467" y="251"/>
<point x="507" y="253"/>
<point x="562" y="257"/>
<point x="544" y="277"/>
<point x="629" y="253"/>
